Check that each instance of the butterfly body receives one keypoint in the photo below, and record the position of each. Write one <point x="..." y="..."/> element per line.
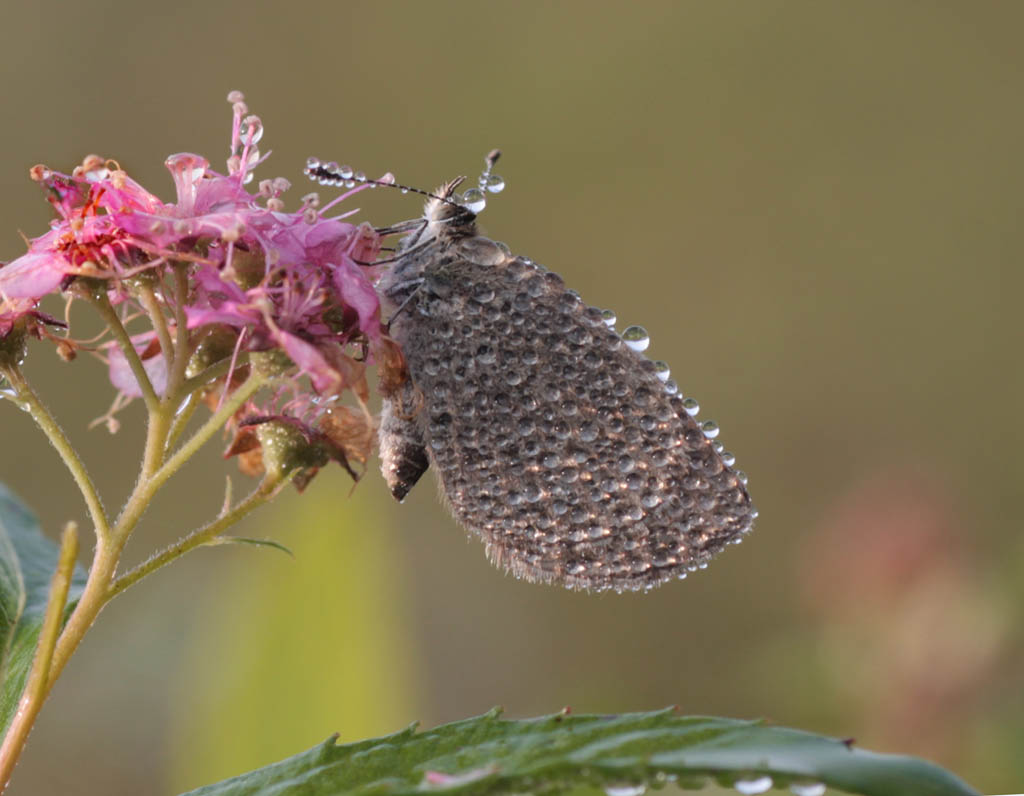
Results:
<point x="553" y="440"/>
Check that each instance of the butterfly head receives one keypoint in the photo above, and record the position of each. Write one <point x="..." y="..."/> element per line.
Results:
<point x="446" y="218"/>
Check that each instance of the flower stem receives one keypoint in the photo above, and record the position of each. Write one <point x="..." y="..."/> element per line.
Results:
<point x="157" y="429"/>
<point x="208" y="429"/>
<point x="262" y="494"/>
<point x="150" y="303"/>
<point x="49" y="426"/>
<point x="181" y="418"/>
<point x="106" y="310"/>
<point x="37" y="687"/>
<point x="176" y="372"/>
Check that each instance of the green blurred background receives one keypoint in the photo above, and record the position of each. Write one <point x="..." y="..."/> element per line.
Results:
<point x="814" y="207"/>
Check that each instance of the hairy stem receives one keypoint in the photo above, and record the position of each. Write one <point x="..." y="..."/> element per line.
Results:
<point x="208" y="429"/>
<point x="94" y="597"/>
<point x="176" y="373"/>
<point x="109" y="314"/>
<point x="150" y="303"/>
<point x="157" y="430"/>
<point x="49" y="426"/>
<point x="181" y="418"/>
<point x="37" y="687"/>
<point x="262" y="494"/>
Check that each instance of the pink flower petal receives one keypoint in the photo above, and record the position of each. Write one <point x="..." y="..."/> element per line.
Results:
<point x="326" y="380"/>
<point x="32" y="275"/>
<point x="357" y="292"/>
<point x="122" y="377"/>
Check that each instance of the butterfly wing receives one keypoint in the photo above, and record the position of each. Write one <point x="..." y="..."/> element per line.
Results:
<point x="553" y="440"/>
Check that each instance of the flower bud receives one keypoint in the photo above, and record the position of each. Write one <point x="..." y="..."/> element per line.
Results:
<point x="272" y="363"/>
<point x="13" y="345"/>
<point x="217" y="344"/>
<point x="286" y="448"/>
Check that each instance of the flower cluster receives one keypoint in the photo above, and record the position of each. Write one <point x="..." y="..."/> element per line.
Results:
<point x="224" y="276"/>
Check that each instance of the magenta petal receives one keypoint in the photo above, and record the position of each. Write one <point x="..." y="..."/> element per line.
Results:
<point x="220" y="194"/>
<point x="357" y="292"/>
<point x="32" y="275"/>
<point x="210" y="279"/>
<point x="227" y="314"/>
<point x="10" y="311"/>
<point x="125" y="193"/>
<point x="121" y="375"/>
<point x="310" y="361"/>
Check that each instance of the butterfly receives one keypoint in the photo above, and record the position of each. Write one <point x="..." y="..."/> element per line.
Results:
<point x="555" y="440"/>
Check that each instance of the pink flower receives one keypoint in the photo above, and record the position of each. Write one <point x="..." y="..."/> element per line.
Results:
<point x="14" y="310"/>
<point x="285" y="280"/>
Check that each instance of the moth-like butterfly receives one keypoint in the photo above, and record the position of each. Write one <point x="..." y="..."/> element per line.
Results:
<point x="572" y="455"/>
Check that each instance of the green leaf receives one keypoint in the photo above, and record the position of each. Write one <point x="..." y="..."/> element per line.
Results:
<point x="27" y="563"/>
<point x="219" y="540"/>
<point x="491" y="755"/>
<point x="12" y="595"/>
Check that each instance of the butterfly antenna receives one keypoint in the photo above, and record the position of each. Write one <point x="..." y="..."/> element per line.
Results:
<point x="343" y="177"/>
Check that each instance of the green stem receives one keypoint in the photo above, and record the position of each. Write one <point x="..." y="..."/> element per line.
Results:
<point x="176" y="374"/>
<point x="49" y="426"/>
<point x="262" y="494"/>
<point x="157" y="430"/>
<point x="150" y="303"/>
<point x="208" y="429"/>
<point x="109" y="314"/>
<point x="181" y="418"/>
<point x="94" y="597"/>
<point x="37" y="686"/>
<point x="153" y="479"/>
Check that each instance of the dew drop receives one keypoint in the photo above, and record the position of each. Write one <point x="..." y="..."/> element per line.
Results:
<point x="625" y="790"/>
<point x="742" y="476"/>
<point x="636" y="337"/>
<point x="312" y="163"/>
<point x="252" y="129"/>
<point x="671" y="387"/>
<point x="495" y="184"/>
<point x="691" y="406"/>
<point x="474" y="200"/>
<point x="608" y="316"/>
<point x="728" y="459"/>
<point x="661" y="370"/>
<point x="345" y="172"/>
<point x="750" y="787"/>
<point x="484" y="251"/>
<point x="710" y="429"/>
<point x="486" y="355"/>
<point x="359" y="176"/>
